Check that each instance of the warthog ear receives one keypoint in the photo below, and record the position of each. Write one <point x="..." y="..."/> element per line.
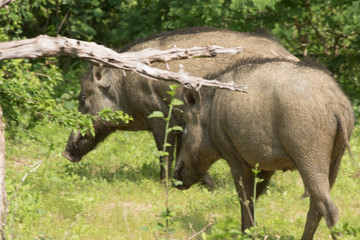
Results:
<point x="97" y="73"/>
<point x="192" y="99"/>
<point x="103" y="76"/>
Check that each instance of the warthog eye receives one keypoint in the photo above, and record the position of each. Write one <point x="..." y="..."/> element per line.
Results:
<point x="82" y="99"/>
<point x="189" y="97"/>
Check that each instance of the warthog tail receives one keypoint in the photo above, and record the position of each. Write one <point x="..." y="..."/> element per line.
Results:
<point x="341" y="143"/>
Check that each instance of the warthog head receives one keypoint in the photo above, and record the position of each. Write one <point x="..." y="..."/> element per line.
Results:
<point x="98" y="91"/>
<point x="197" y="150"/>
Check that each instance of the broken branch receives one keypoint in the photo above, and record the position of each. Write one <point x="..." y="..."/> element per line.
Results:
<point x="46" y="46"/>
<point x="5" y="2"/>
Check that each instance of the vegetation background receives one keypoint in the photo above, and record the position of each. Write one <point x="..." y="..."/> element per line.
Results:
<point x="114" y="192"/>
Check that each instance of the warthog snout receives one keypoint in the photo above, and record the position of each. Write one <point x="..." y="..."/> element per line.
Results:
<point x="178" y="176"/>
<point x="72" y="151"/>
<point x="189" y="175"/>
<point x="67" y="155"/>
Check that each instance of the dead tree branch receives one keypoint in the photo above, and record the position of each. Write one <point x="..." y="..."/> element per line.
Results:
<point x="5" y="2"/>
<point x="45" y="46"/>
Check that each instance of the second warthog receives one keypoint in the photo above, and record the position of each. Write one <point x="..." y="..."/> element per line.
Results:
<point x="139" y="96"/>
<point x="293" y="117"/>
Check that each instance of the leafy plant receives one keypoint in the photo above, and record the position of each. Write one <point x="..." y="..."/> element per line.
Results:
<point x="168" y="214"/>
<point x="256" y="171"/>
<point x="28" y="94"/>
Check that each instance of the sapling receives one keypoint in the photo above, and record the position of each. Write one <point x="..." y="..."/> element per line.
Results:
<point x="252" y="230"/>
<point x="257" y="180"/>
<point x="168" y="213"/>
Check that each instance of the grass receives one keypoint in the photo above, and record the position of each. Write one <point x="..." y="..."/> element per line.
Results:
<point x="115" y="193"/>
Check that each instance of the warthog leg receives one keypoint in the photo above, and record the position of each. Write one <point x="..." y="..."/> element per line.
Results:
<point x="318" y="208"/>
<point x="321" y="205"/>
<point x="265" y="176"/>
<point x="244" y="182"/>
<point x="312" y="222"/>
<point x="159" y="136"/>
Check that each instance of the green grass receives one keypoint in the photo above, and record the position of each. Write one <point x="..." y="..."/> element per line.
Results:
<point x="115" y="193"/>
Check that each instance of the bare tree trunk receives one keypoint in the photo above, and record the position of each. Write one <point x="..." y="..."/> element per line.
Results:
<point x="2" y="177"/>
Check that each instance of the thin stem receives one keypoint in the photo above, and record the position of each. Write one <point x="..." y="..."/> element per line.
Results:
<point x="72" y="225"/>
<point x="257" y="180"/>
<point x="245" y="201"/>
<point x="167" y="173"/>
<point x="254" y="200"/>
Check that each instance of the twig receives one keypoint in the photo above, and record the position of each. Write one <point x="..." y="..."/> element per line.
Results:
<point x="45" y="46"/>
<point x="34" y="167"/>
<point x="201" y="231"/>
<point x="192" y="228"/>
<point x="62" y="22"/>
<point x="72" y="225"/>
<point x="156" y="235"/>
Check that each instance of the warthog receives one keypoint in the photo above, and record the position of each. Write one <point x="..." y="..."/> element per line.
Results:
<point x="139" y="96"/>
<point x="294" y="116"/>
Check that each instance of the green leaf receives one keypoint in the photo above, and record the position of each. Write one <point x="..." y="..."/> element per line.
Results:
<point x="168" y="145"/>
<point x="173" y="87"/>
<point x="98" y="12"/>
<point x="65" y="96"/>
<point x="176" y="128"/>
<point x="176" y="102"/>
<point x="95" y="3"/>
<point x="178" y="183"/>
<point x="69" y="105"/>
<point x="156" y="114"/>
<point x="258" y="180"/>
<point x="159" y="226"/>
<point x="161" y="154"/>
<point x="172" y="94"/>
<point x="92" y="131"/>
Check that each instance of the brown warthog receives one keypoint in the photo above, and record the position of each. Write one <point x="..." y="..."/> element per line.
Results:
<point x="294" y="116"/>
<point x="139" y="96"/>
